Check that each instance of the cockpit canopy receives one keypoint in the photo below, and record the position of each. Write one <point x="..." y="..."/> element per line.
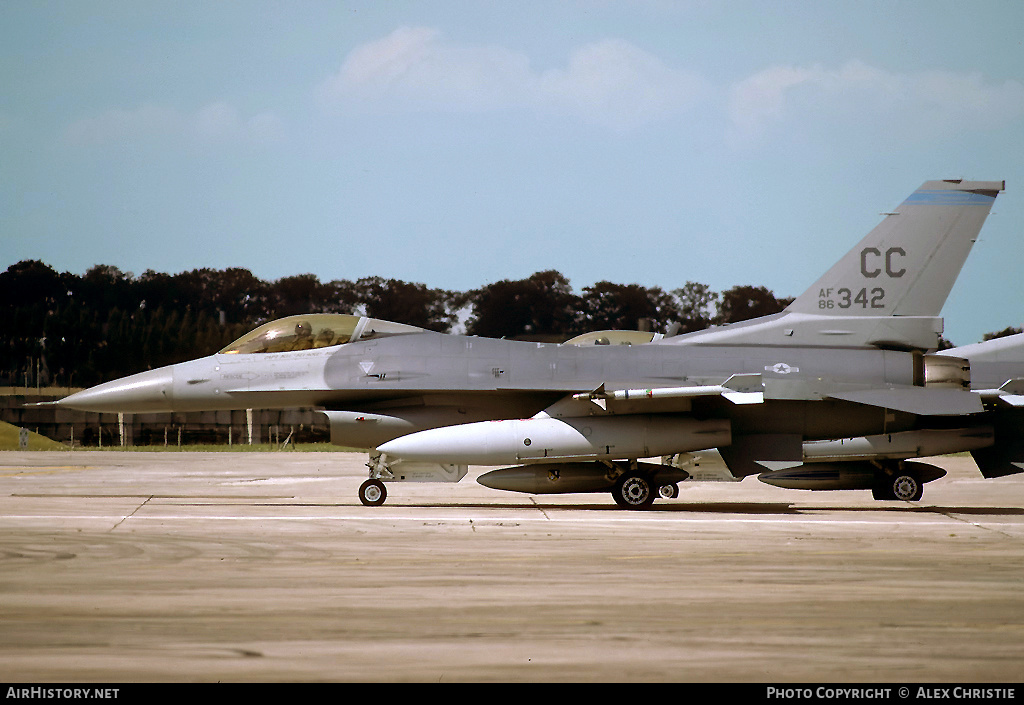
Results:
<point x="314" y="330"/>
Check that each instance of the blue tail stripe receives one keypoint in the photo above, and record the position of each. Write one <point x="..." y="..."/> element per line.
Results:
<point x="949" y="198"/>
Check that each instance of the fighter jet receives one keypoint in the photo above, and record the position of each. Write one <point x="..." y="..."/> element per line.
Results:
<point x="994" y="438"/>
<point x="997" y="375"/>
<point x="849" y="360"/>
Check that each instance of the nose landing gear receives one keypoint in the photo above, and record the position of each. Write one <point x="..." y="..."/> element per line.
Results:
<point x="373" y="493"/>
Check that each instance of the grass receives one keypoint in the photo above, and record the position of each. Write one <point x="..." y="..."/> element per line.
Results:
<point x="10" y="440"/>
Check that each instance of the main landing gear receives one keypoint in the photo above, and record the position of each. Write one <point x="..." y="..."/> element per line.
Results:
<point x="903" y="485"/>
<point x="637" y="491"/>
<point x="903" y="480"/>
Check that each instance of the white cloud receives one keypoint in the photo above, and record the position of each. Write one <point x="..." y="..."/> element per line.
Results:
<point x="221" y="121"/>
<point x="926" y="104"/>
<point x="624" y="85"/>
<point x="217" y="122"/>
<point x="611" y="82"/>
<point x="413" y="66"/>
<point x="761" y="98"/>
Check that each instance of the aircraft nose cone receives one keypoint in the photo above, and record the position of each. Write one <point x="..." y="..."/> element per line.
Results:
<point x="143" y="392"/>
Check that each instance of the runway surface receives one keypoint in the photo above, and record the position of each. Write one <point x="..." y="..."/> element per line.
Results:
<point x="128" y="567"/>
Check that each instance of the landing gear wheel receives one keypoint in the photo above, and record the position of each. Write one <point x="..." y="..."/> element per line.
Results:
<point x="670" y="491"/>
<point x="372" y="493"/>
<point x="633" y="492"/>
<point x="906" y="487"/>
<point x="902" y="486"/>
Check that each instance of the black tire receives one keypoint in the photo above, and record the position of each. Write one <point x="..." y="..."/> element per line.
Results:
<point x="372" y="493"/>
<point x="906" y="487"/>
<point x="901" y="486"/>
<point x="633" y="492"/>
<point x="669" y="491"/>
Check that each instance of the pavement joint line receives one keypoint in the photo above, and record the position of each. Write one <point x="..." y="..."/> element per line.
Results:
<point x="129" y="516"/>
<point x="539" y="507"/>
<point x="984" y="527"/>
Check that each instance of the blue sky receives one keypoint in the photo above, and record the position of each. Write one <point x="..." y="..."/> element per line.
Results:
<point x="460" y="143"/>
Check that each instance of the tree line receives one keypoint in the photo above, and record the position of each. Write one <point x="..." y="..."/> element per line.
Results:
<point x="78" y="330"/>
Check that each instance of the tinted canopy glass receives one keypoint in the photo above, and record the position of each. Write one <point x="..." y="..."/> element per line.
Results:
<point x="315" y="330"/>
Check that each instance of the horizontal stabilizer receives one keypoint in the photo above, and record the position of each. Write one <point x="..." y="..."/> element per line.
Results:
<point x="1006" y="455"/>
<point x="1000" y="460"/>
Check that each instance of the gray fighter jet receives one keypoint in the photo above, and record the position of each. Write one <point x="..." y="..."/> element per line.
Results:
<point x="845" y="366"/>
<point x="994" y="438"/>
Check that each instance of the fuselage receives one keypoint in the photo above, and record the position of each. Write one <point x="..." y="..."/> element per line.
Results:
<point x="439" y="380"/>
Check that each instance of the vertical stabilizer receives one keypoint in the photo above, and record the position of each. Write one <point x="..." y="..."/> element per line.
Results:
<point x="908" y="264"/>
<point x="888" y="291"/>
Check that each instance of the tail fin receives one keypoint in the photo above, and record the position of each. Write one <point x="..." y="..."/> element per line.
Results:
<point x="907" y="265"/>
<point x="887" y="291"/>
